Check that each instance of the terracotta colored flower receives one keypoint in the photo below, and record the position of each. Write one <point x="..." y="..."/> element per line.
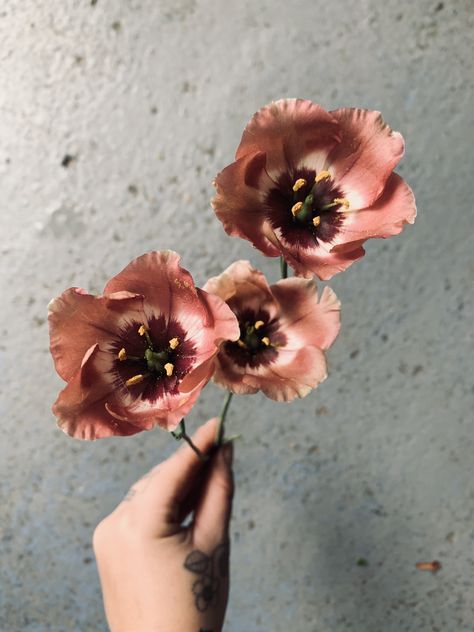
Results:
<point x="138" y="355"/>
<point x="313" y="185"/>
<point x="284" y="330"/>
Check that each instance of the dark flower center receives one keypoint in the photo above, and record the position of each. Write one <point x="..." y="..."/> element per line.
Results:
<point x="156" y="357"/>
<point x="306" y="207"/>
<point x="259" y="340"/>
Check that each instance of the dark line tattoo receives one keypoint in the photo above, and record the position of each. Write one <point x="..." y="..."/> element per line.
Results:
<point x="211" y="569"/>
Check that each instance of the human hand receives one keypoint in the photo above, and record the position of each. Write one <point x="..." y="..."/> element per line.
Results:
<point x="157" y="575"/>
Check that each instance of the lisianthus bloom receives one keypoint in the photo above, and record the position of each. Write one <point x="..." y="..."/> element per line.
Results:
<point x="312" y="185"/>
<point x="284" y="331"/>
<point x="138" y="355"/>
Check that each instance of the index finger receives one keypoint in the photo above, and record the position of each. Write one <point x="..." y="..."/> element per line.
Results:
<point x="167" y="484"/>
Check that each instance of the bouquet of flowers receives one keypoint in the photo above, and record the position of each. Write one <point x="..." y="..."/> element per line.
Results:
<point x="308" y="187"/>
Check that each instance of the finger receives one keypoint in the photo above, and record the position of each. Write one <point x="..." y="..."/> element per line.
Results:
<point x="211" y="519"/>
<point x="184" y="466"/>
<point x="155" y="498"/>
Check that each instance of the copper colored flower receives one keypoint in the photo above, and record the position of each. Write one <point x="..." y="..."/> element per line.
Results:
<point x="284" y="330"/>
<point x="313" y="185"/>
<point x="138" y="355"/>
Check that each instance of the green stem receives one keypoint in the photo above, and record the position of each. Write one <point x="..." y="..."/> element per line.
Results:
<point x="196" y="450"/>
<point x="222" y="416"/>
<point x="283" y="268"/>
<point x="180" y="433"/>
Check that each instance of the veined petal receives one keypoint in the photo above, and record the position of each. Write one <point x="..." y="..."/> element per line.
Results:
<point x="305" y="318"/>
<point x="78" y="320"/>
<point x="239" y="202"/>
<point x="287" y="131"/>
<point x="386" y="217"/>
<point x="308" y="262"/>
<point x="366" y="156"/>
<point x="81" y="406"/>
<point x="296" y="374"/>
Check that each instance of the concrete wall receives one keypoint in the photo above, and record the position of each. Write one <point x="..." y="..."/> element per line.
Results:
<point x="148" y="100"/>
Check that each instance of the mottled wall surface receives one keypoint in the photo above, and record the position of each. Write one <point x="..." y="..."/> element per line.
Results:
<point x="114" y="118"/>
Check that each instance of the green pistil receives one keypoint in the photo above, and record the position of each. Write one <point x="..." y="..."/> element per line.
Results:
<point x="306" y="211"/>
<point x="156" y="360"/>
<point x="251" y="338"/>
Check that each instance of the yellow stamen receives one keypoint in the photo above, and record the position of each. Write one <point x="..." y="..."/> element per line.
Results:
<point x="242" y="344"/>
<point x="142" y="330"/>
<point x="343" y="201"/>
<point x="322" y="175"/>
<point x="316" y="220"/>
<point x="259" y="324"/>
<point x="173" y="343"/>
<point x="169" y="368"/>
<point x="122" y="355"/>
<point x="296" y="207"/>
<point x="301" y="182"/>
<point x="136" y="379"/>
<point x="266" y="341"/>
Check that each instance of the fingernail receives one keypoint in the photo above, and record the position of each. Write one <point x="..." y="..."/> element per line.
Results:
<point x="227" y="451"/>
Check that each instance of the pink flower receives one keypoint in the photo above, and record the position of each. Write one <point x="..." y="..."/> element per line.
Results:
<point x="284" y="330"/>
<point x="313" y="185"/>
<point x="138" y="355"/>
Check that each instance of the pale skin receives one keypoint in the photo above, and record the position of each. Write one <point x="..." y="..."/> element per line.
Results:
<point x="157" y="575"/>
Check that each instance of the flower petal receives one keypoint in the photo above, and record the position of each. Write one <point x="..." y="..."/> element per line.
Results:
<point x="386" y="217"/>
<point x="241" y="284"/>
<point x="287" y="131"/>
<point x="366" y="156"/>
<point x="158" y="276"/>
<point x="307" y="262"/>
<point x="166" y="413"/>
<point x="81" y="406"/>
<point x="305" y="319"/>
<point x="295" y="374"/>
<point x="239" y="201"/>
<point x="78" y="320"/>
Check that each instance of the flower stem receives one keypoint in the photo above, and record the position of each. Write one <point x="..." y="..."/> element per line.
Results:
<point x="283" y="268"/>
<point x="180" y="433"/>
<point x="196" y="450"/>
<point x="222" y="416"/>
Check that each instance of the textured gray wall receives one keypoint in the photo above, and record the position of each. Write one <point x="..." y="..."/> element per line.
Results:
<point x="149" y="97"/>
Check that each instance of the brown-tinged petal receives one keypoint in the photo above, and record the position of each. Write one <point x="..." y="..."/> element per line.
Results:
<point x="222" y="325"/>
<point x="319" y="261"/>
<point x="157" y="275"/>
<point x="170" y="290"/>
<point x="78" y="320"/>
<point x="239" y="202"/>
<point x="295" y="374"/>
<point x="305" y="318"/>
<point x="81" y="406"/>
<point x="220" y="317"/>
<point x="386" y="217"/>
<point x="287" y="131"/>
<point x="366" y="156"/>
<point x="166" y="413"/>
<point x="241" y="285"/>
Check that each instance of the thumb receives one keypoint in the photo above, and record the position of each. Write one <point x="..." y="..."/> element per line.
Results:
<point x="212" y="515"/>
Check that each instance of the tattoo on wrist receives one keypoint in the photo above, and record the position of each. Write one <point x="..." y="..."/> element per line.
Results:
<point x="211" y="569"/>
